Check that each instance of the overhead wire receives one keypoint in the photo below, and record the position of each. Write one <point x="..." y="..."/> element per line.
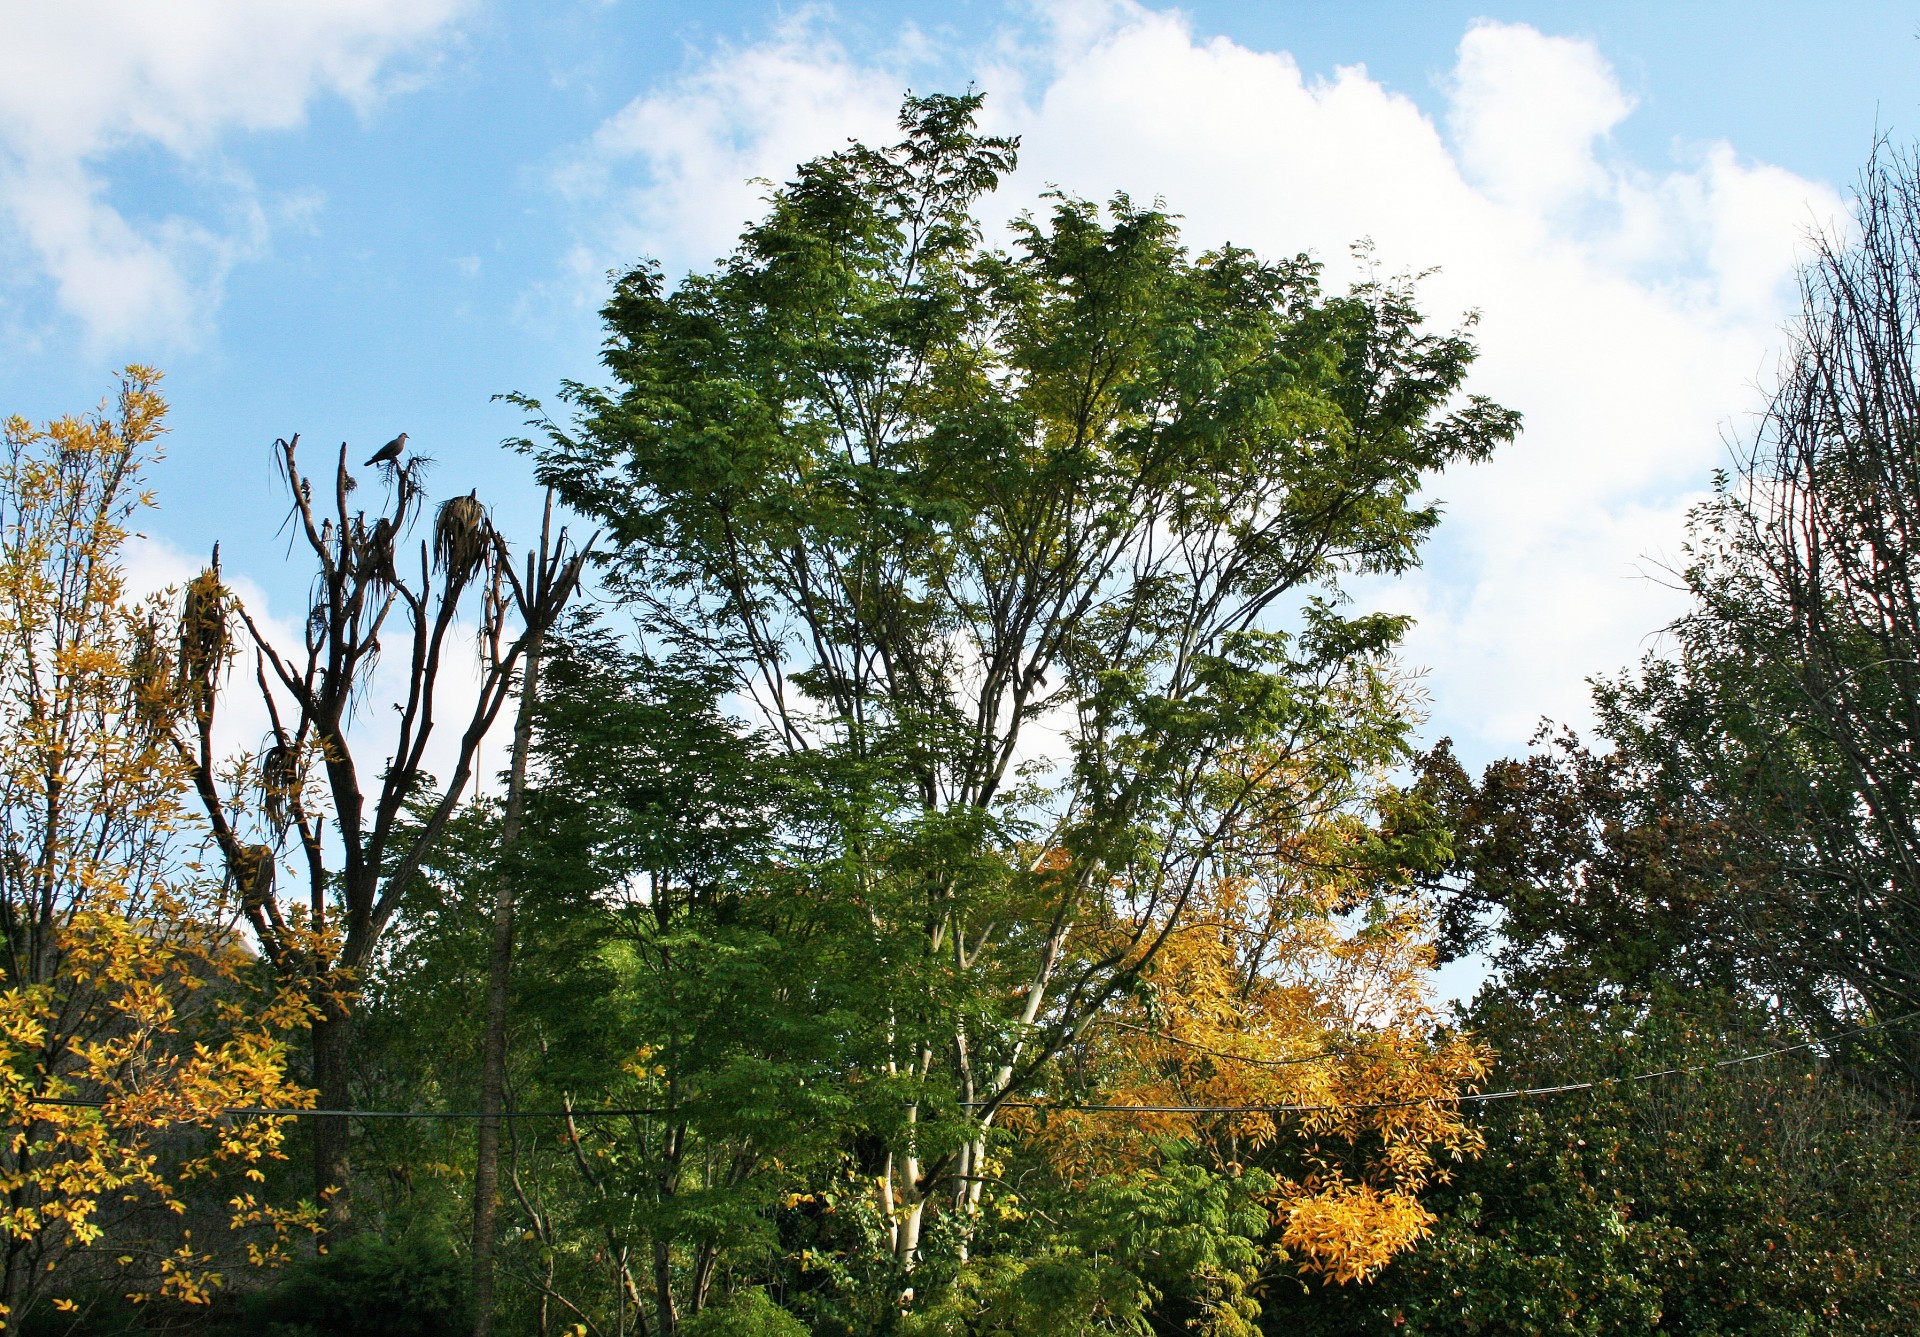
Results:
<point x="1469" y="1097"/>
<point x="1092" y="1107"/>
<point x="302" y="1111"/>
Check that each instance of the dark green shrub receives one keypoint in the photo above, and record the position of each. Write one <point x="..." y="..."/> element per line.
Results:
<point x="746" y="1313"/>
<point x="366" y="1287"/>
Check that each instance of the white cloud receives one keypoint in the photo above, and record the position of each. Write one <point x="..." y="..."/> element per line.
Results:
<point x="1526" y="111"/>
<point x="85" y="80"/>
<point x="1628" y="310"/>
<point x="707" y="145"/>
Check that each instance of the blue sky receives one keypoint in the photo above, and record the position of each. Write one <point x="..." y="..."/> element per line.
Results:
<point x="352" y="217"/>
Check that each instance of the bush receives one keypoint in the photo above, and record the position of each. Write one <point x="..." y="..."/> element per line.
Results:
<point x="746" y="1313"/>
<point x="366" y="1287"/>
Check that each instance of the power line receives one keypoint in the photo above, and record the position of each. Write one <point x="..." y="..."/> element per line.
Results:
<point x="1093" y="1107"/>
<point x="299" y="1111"/>
<point x="1472" y="1097"/>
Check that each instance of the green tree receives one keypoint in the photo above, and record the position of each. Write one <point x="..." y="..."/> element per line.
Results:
<point x="731" y="986"/>
<point x="941" y="510"/>
<point x="1589" y="878"/>
<point x="676" y="960"/>
<point x="1791" y="702"/>
<point x="1772" y="1197"/>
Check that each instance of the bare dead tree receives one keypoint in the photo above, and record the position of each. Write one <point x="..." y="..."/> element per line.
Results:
<point x="362" y="812"/>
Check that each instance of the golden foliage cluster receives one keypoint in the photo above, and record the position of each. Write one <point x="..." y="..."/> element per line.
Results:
<point x="133" y="1019"/>
<point x="1285" y="1021"/>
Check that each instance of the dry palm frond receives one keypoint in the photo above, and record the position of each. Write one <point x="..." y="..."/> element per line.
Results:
<point x="376" y="554"/>
<point x="460" y="536"/>
<point x="381" y="536"/>
<point x="203" y="626"/>
<point x="254" y="875"/>
<point x="279" y="771"/>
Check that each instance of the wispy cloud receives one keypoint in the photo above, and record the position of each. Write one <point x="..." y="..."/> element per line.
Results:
<point x="84" y="81"/>
<point x="675" y="172"/>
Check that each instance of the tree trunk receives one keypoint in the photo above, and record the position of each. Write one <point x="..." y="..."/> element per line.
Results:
<point x="908" y="1248"/>
<point x="706" y="1259"/>
<point x="332" y="1164"/>
<point x="19" y="1266"/>
<point x="663" y="1288"/>
<point x="493" y="1061"/>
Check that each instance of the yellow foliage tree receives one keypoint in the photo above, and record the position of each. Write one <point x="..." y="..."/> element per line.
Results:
<point x="1286" y="1020"/>
<point x="132" y="1020"/>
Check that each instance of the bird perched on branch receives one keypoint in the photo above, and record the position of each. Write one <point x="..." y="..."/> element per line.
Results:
<point x="390" y="452"/>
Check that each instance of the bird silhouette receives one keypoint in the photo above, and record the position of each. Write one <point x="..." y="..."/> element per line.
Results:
<point x="390" y="452"/>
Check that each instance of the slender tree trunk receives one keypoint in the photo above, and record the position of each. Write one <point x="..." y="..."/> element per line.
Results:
<point x="706" y="1259"/>
<point x="332" y="1163"/>
<point x="663" y="1288"/>
<point x="19" y="1266"/>
<point x="493" y="1061"/>
<point x="906" y="1239"/>
<point x="909" y="1246"/>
